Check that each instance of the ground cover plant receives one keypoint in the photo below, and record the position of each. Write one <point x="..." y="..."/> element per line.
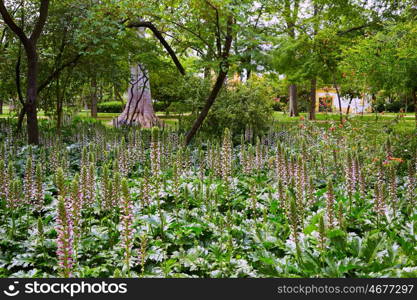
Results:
<point x="307" y="199"/>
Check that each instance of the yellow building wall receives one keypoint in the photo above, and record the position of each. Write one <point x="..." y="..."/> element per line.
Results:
<point x="332" y="93"/>
<point x="324" y="90"/>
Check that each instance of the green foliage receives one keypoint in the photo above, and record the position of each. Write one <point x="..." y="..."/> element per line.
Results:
<point x="189" y="223"/>
<point x="111" y="107"/>
<point x="385" y="61"/>
<point x="240" y="106"/>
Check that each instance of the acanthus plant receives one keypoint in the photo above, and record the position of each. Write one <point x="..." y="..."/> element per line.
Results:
<point x="28" y="185"/>
<point x="267" y="211"/>
<point x="4" y="180"/>
<point x="412" y="184"/>
<point x="330" y="205"/>
<point x="126" y="226"/>
<point x="65" y="239"/>
<point x="59" y="179"/>
<point x="155" y="154"/>
<point x="75" y="201"/>
<point x="106" y="189"/>
<point x="38" y="188"/>
<point x="226" y="156"/>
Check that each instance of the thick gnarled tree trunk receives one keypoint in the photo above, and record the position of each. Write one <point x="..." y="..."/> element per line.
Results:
<point x="139" y="109"/>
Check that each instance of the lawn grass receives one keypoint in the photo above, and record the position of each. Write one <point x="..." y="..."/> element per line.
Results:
<point x="279" y="115"/>
<point x="406" y="122"/>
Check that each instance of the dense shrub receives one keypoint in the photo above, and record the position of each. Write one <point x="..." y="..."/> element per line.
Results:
<point x="170" y="87"/>
<point x="280" y="104"/>
<point x="239" y="106"/>
<point x="395" y="106"/>
<point x="160" y="106"/>
<point x="111" y="107"/>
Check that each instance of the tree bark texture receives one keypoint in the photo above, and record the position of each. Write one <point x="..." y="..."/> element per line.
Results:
<point x="94" y="97"/>
<point x="139" y="109"/>
<point x="31" y="97"/>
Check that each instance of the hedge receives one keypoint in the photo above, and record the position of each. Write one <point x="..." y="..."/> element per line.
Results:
<point x="110" y="107"/>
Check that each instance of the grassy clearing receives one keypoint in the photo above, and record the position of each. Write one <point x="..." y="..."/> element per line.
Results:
<point x="399" y="122"/>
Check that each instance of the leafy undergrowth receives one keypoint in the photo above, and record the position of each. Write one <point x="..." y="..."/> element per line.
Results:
<point x="304" y="201"/>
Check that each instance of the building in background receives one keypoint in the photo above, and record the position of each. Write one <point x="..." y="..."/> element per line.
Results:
<point x="327" y="101"/>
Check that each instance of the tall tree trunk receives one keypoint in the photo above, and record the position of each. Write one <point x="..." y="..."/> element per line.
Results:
<point x="31" y="96"/>
<point x="415" y="103"/>
<point x="293" y="107"/>
<point x="59" y="107"/>
<point x="290" y="12"/>
<point x="22" y="114"/>
<point x="348" y="108"/>
<point x="94" y="97"/>
<point x="340" y="102"/>
<point x="32" y="124"/>
<point x="139" y="109"/>
<point x="312" y="111"/>
<point x="19" y="90"/>
<point x="59" y="115"/>
<point x="29" y="44"/>
<point x="313" y="100"/>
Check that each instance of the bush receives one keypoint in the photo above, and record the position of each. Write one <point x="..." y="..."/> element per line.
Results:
<point x="110" y="107"/>
<point x="379" y="106"/>
<point x="160" y="106"/>
<point x="395" y="106"/>
<point x="280" y="104"/>
<point x="238" y="106"/>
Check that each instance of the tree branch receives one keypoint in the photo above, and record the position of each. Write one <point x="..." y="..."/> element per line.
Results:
<point x="17" y="74"/>
<point x="205" y="42"/>
<point x="161" y="39"/>
<point x="218" y="34"/>
<point x="221" y="77"/>
<point x="57" y="71"/>
<point x="43" y="14"/>
<point x="13" y="26"/>
<point x="342" y="32"/>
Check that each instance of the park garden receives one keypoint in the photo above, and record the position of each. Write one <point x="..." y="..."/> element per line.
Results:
<point x="208" y="139"/>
